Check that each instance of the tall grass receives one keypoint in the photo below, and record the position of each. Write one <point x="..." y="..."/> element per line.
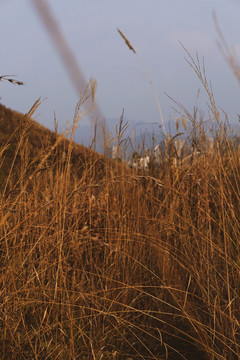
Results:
<point x="99" y="261"/>
<point x="102" y="262"/>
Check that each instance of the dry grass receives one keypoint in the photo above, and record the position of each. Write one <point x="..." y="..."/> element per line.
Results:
<point x="100" y="262"/>
<point x="11" y="80"/>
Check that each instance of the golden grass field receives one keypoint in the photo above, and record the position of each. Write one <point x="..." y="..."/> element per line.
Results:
<point x="99" y="261"/>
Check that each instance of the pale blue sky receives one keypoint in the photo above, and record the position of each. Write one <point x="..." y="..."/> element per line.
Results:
<point x="154" y="27"/>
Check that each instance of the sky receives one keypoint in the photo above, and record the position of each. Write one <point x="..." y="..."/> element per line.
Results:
<point x="155" y="28"/>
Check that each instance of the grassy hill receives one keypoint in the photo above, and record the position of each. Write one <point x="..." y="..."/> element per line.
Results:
<point x="98" y="261"/>
<point x="25" y="143"/>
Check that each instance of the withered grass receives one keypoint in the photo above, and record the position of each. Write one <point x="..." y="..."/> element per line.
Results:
<point x="99" y="261"/>
<point x="102" y="262"/>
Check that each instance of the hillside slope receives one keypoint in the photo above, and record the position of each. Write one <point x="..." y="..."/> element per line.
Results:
<point x="25" y="144"/>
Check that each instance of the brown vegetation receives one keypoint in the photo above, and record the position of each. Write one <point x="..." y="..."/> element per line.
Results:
<point x="101" y="262"/>
<point x="98" y="261"/>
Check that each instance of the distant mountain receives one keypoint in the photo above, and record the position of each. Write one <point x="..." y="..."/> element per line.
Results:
<point x="142" y="135"/>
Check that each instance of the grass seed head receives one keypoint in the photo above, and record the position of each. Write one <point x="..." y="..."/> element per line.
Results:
<point x="126" y="41"/>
